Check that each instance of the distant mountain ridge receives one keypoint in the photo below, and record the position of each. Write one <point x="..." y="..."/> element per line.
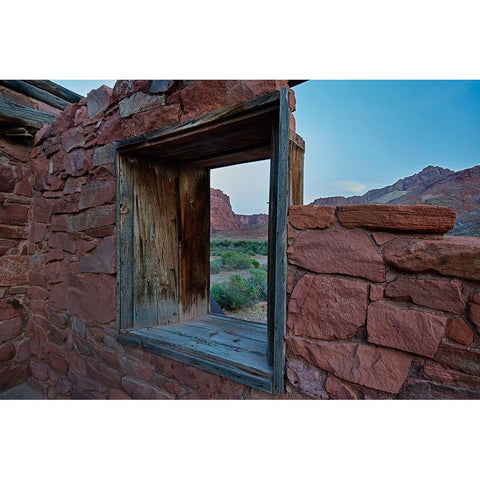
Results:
<point x="459" y="191"/>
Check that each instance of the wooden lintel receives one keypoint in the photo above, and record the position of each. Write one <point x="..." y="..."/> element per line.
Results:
<point x="19" y="116"/>
<point x="35" y="92"/>
<point x="203" y="121"/>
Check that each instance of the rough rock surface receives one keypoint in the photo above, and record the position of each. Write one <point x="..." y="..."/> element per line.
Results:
<point x="408" y="218"/>
<point x="374" y="367"/>
<point x="327" y="308"/>
<point x="409" y="330"/>
<point x="438" y="294"/>
<point x="304" y="217"/>
<point x="451" y="256"/>
<point x="348" y="252"/>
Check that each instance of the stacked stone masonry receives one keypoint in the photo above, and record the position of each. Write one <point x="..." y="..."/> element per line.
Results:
<point x="381" y="304"/>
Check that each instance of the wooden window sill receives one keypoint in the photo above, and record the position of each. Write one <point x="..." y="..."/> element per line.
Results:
<point x="230" y="347"/>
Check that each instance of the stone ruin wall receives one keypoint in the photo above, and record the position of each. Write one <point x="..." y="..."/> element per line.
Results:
<point x="59" y="269"/>
<point x="15" y="237"/>
<point x="381" y="304"/>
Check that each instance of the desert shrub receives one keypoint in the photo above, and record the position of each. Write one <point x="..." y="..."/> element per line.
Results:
<point x="255" y="263"/>
<point x="232" y="260"/>
<point x="241" y="292"/>
<point x="257" y="282"/>
<point x="215" y="266"/>
<point x="250" y="247"/>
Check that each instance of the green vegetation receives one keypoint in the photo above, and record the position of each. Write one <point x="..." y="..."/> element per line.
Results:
<point x="249" y="247"/>
<point x="241" y="292"/>
<point x="231" y="260"/>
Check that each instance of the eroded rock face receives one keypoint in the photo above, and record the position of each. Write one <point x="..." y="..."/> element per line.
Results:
<point x="438" y="294"/>
<point x="451" y="256"/>
<point x="408" y="330"/>
<point x="327" y="308"/>
<point x="406" y="218"/>
<point x="374" y="367"/>
<point x="348" y="252"/>
<point x="221" y="213"/>
<point x="307" y="379"/>
<point x="458" y="330"/>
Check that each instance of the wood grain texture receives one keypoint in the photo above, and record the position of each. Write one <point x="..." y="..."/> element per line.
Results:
<point x="57" y="90"/>
<point x="280" y="286"/>
<point x="156" y="297"/>
<point x="125" y="246"/>
<point x="17" y="115"/>
<point x="234" y="348"/>
<point x="35" y="92"/>
<point x="296" y="153"/>
<point x="194" y="205"/>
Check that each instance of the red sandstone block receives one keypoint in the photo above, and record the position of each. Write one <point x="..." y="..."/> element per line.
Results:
<point x="125" y="88"/>
<point x="139" y="102"/>
<point x="305" y="378"/>
<point x="450" y="256"/>
<point x="110" y="130"/>
<point x="96" y="193"/>
<point x="95" y="302"/>
<point x="327" y="308"/>
<point x="23" y="349"/>
<point x="376" y="292"/>
<point x="409" y="330"/>
<point x="14" y="270"/>
<point x="39" y="369"/>
<point x="438" y="294"/>
<point x="474" y="309"/>
<point x="62" y="241"/>
<point x="407" y="218"/>
<point x="72" y="138"/>
<point x="93" y="218"/>
<point x="37" y="232"/>
<point x="85" y="383"/>
<point x="75" y="163"/>
<point x="42" y="209"/>
<point x="447" y="376"/>
<point x="66" y="118"/>
<point x="13" y="214"/>
<point x="58" y="162"/>
<point x="374" y="367"/>
<point x="98" y="100"/>
<point x="10" y="308"/>
<point x="116" y="394"/>
<point x="141" y="390"/>
<point x="57" y="271"/>
<point x="102" y="260"/>
<point x="64" y="386"/>
<point x="13" y="374"/>
<point x="7" y="352"/>
<point x="58" y="364"/>
<point x="304" y="217"/>
<point x="347" y="252"/>
<point x="459" y="357"/>
<point x="7" y="178"/>
<point x="135" y="369"/>
<point x="17" y="233"/>
<point x="458" y="330"/>
<point x="150" y="120"/>
<point x="58" y="296"/>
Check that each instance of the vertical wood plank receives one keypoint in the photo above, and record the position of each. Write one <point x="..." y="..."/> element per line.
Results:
<point x="296" y="153"/>
<point x="194" y="194"/>
<point x="125" y="214"/>
<point x="280" y="287"/>
<point x="155" y="276"/>
<point x="272" y="228"/>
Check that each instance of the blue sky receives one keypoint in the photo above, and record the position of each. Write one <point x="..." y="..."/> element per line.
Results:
<point x="363" y="134"/>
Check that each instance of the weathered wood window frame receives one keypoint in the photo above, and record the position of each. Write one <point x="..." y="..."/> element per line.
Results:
<point x="167" y="171"/>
